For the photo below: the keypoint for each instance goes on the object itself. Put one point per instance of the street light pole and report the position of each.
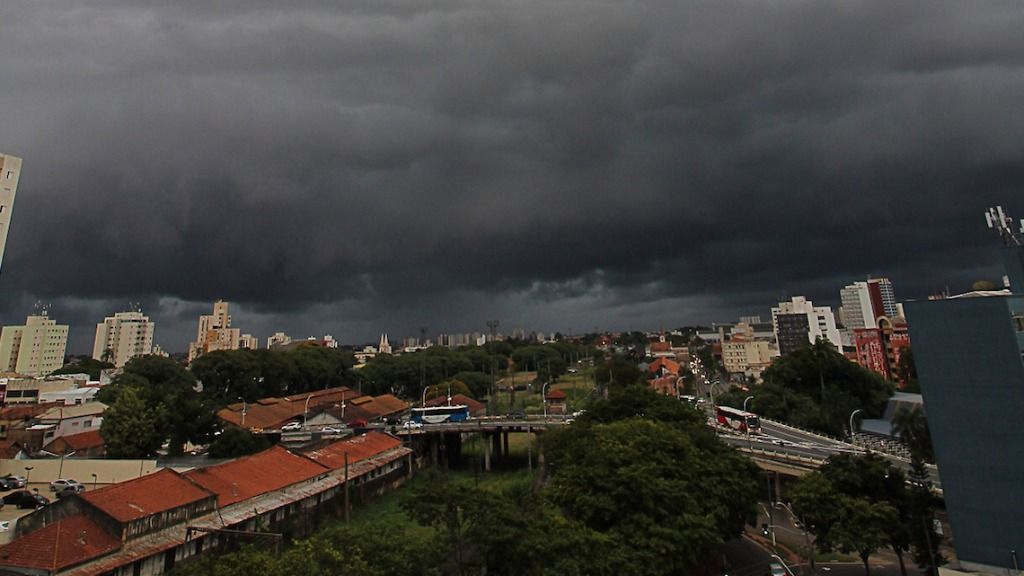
(243, 410)
(852, 414)
(807, 536)
(745, 400)
(544, 399)
(28, 475)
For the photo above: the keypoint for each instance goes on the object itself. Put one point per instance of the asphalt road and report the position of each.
(744, 557)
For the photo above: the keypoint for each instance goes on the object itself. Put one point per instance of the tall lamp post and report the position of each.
(807, 536)
(93, 481)
(544, 398)
(745, 400)
(243, 410)
(28, 475)
(852, 431)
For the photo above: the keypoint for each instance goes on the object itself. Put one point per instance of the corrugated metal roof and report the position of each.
(268, 413)
(151, 494)
(359, 448)
(250, 476)
(64, 543)
(75, 411)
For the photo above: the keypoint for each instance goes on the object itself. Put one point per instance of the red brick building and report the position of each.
(879, 349)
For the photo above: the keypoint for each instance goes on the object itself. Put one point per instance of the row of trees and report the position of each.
(859, 504)
(638, 485)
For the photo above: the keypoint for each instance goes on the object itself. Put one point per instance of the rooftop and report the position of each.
(60, 545)
(266, 471)
(151, 494)
(358, 448)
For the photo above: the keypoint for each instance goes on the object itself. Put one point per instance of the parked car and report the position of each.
(410, 425)
(331, 430)
(291, 427)
(73, 489)
(62, 483)
(11, 482)
(776, 569)
(26, 499)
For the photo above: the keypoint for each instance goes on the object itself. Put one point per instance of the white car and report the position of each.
(291, 427)
(64, 483)
(331, 430)
(410, 425)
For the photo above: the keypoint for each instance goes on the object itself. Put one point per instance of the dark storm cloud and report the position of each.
(365, 166)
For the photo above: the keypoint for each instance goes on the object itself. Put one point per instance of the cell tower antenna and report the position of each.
(997, 220)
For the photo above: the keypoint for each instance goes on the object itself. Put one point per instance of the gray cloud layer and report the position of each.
(379, 165)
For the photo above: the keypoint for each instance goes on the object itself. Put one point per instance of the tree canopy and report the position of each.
(816, 387)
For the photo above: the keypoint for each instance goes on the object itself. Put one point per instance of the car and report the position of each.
(410, 425)
(70, 490)
(11, 482)
(331, 430)
(776, 569)
(62, 483)
(291, 427)
(358, 423)
(26, 499)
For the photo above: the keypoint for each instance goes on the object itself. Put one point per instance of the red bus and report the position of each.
(738, 419)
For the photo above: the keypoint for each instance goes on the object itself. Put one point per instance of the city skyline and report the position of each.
(383, 167)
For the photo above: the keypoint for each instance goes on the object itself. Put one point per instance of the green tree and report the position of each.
(911, 426)
(861, 527)
(85, 366)
(131, 428)
(925, 540)
(663, 498)
(617, 371)
(169, 392)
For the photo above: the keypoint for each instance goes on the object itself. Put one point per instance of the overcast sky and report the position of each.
(380, 165)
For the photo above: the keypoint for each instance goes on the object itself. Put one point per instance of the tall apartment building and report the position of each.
(123, 336)
(865, 302)
(279, 339)
(879, 349)
(799, 323)
(215, 332)
(10, 170)
(35, 349)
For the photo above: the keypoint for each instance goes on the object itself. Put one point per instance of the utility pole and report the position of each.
(492, 325)
(423, 358)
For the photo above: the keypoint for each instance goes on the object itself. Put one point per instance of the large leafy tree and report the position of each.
(168, 393)
(89, 366)
(131, 428)
(856, 504)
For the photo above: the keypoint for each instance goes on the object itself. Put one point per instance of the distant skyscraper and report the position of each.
(123, 336)
(10, 170)
(865, 302)
(215, 332)
(799, 323)
(35, 349)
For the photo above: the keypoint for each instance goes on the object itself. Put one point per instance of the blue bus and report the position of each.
(439, 414)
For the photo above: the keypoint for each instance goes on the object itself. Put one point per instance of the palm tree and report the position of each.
(911, 426)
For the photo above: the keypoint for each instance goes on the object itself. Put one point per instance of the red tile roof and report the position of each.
(359, 448)
(556, 395)
(9, 448)
(25, 411)
(274, 412)
(162, 490)
(670, 366)
(84, 440)
(56, 546)
(251, 476)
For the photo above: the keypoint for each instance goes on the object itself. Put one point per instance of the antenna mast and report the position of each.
(1003, 225)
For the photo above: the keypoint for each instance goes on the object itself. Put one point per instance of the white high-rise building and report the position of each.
(123, 336)
(215, 332)
(865, 302)
(10, 170)
(279, 339)
(799, 322)
(35, 349)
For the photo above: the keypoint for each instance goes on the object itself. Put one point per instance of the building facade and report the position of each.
(123, 336)
(863, 303)
(35, 349)
(879, 349)
(969, 353)
(10, 171)
(799, 323)
(215, 332)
